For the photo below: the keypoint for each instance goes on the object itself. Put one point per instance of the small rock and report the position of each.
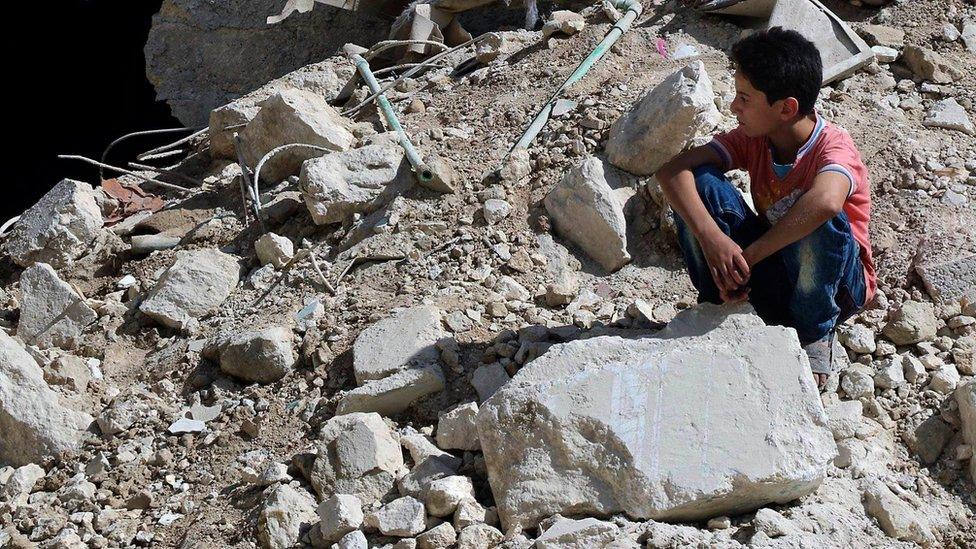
(403, 517)
(395, 343)
(896, 517)
(478, 536)
(285, 512)
(339, 515)
(395, 393)
(858, 338)
(457, 430)
(353, 540)
(949, 114)
(438, 537)
(193, 285)
(858, 381)
(52, 313)
(358, 455)
(577, 534)
(719, 523)
(930, 438)
(443, 495)
(929, 65)
(469, 512)
(186, 425)
(565, 22)
(262, 356)
(274, 249)
(773, 524)
(489, 378)
(885, 54)
(913, 322)
(945, 379)
(496, 210)
(517, 166)
(844, 418)
(891, 375)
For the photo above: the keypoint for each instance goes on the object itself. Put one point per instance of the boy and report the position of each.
(805, 260)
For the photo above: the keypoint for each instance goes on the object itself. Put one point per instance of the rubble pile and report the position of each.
(327, 354)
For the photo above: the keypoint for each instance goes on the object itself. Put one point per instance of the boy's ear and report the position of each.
(789, 108)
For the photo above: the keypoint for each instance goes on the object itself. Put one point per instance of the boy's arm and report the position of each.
(729, 268)
(824, 200)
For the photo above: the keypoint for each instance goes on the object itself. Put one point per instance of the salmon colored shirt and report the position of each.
(829, 149)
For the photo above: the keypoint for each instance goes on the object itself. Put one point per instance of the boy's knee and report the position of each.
(707, 175)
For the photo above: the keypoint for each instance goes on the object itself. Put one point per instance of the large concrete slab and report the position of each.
(716, 415)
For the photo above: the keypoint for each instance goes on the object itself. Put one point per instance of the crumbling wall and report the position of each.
(202, 54)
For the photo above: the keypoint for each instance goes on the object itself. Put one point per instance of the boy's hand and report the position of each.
(729, 268)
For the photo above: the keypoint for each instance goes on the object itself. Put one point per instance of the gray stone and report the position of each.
(457, 429)
(262, 356)
(930, 65)
(948, 267)
(858, 338)
(200, 55)
(394, 393)
(858, 381)
(406, 338)
(358, 455)
(577, 534)
(274, 249)
(496, 210)
(885, 54)
(52, 313)
(33, 422)
(579, 429)
(58, 229)
(338, 185)
(20, 483)
(930, 438)
(968, 35)
(879, 35)
(565, 22)
(401, 517)
(965, 396)
(664, 121)
(195, 284)
(468, 513)
(443, 495)
(499, 45)
(911, 323)
(587, 207)
(286, 511)
(945, 379)
(339, 515)
(421, 447)
(423, 473)
(773, 524)
(323, 79)
(891, 374)
(479, 536)
(912, 367)
(293, 116)
(844, 418)
(438, 537)
(896, 517)
(353, 540)
(488, 378)
(949, 114)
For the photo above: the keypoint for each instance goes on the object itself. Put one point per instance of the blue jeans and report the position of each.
(811, 285)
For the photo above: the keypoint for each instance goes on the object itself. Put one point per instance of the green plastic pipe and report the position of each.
(633, 10)
(420, 169)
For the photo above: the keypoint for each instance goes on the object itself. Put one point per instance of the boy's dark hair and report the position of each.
(781, 63)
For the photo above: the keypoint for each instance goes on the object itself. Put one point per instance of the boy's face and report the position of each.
(754, 113)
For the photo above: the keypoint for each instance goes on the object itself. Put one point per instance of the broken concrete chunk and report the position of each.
(487, 379)
(403, 517)
(880, 35)
(194, 284)
(965, 396)
(439, 537)
(274, 249)
(884, 54)
(393, 344)
(339, 515)
(664, 121)
(443, 495)
(930, 65)
(533, 430)
(577, 534)
(911, 323)
(858, 338)
(394, 393)
(262, 356)
(565, 22)
(20, 483)
(479, 535)
(949, 114)
(52, 313)
(33, 422)
(293, 116)
(338, 185)
(358, 455)
(844, 418)
(58, 229)
(285, 514)
(586, 210)
(457, 429)
(897, 518)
